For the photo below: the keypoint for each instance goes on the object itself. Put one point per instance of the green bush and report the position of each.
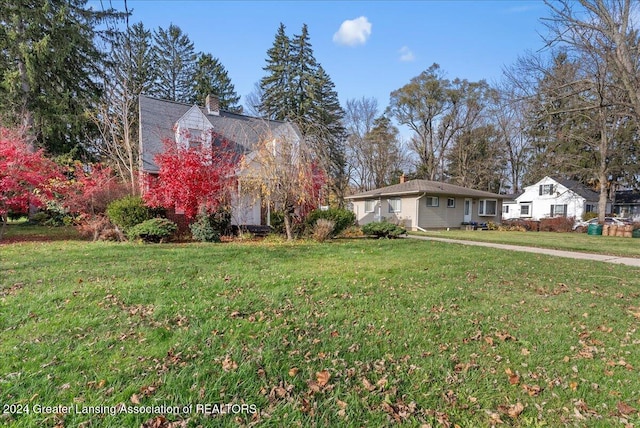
(383, 230)
(277, 222)
(128, 212)
(210, 227)
(153, 230)
(340, 217)
(588, 215)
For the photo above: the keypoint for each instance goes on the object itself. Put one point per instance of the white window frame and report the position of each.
(546, 189)
(451, 202)
(373, 205)
(432, 201)
(482, 205)
(554, 210)
(392, 209)
(529, 206)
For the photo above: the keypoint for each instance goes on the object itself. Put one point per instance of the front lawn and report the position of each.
(571, 241)
(347, 333)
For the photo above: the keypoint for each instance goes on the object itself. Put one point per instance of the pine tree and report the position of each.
(276, 99)
(48, 60)
(211, 77)
(175, 60)
(303, 83)
(326, 130)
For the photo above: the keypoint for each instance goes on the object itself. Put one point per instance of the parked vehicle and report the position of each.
(581, 226)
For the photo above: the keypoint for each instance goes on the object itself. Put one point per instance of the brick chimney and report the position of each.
(212, 103)
(403, 178)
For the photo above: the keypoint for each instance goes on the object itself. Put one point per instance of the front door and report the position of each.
(467, 210)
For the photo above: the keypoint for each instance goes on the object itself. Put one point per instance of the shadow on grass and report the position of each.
(26, 232)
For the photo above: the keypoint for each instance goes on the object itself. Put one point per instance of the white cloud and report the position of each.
(353, 32)
(406, 55)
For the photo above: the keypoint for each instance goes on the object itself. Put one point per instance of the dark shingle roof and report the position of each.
(425, 186)
(579, 189)
(158, 117)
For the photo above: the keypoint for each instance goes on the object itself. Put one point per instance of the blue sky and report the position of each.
(382, 46)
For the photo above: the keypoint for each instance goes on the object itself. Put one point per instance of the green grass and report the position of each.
(611, 245)
(347, 333)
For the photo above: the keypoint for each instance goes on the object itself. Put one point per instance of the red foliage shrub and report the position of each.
(26, 177)
(557, 224)
(193, 180)
(92, 190)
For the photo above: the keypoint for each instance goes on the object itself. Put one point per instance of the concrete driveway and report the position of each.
(629, 261)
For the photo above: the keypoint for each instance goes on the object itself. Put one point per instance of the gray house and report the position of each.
(423, 204)
(195, 126)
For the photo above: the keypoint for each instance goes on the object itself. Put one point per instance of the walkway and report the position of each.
(629, 261)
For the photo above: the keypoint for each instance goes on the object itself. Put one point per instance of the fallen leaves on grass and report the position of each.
(513, 410)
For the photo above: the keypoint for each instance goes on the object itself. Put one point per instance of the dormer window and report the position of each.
(195, 139)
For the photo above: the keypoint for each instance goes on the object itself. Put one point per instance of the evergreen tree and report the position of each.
(175, 61)
(303, 83)
(49, 60)
(386, 156)
(276, 102)
(211, 77)
(298, 89)
(326, 131)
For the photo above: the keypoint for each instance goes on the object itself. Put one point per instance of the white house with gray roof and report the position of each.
(553, 197)
(423, 204)
(195, 126)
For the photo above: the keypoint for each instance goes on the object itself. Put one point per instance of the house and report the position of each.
(510, 206)
(194, 126)
(553, 197)
(627, 204)
(423, 204)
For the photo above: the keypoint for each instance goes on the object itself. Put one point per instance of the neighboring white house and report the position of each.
(552, 197)
(423, 204)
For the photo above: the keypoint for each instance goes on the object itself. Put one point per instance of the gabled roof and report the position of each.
(425, 186)
(578, 188)
(627, 197)
(158, 117)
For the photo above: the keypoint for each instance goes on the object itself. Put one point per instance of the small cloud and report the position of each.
(406, 55)
(353, 32)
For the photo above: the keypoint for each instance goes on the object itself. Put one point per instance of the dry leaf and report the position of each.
(135, 399)
(514, 379)
(323, 377)
(367, 384)
(625, 409)
(573, 385)
(532, 390)
(512, 411)
(293, 371)
(228, 364)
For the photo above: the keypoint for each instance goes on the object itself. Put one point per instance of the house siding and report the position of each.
(439, 217)
(541, 204)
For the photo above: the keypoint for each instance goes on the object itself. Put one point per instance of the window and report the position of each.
(525, 209)
(395, 205)
(591, 208)
(545, 189)
(369, 206)
(505, 209)
(487, 207)
(195, 138)
(433, 201)
(451, 203)
(559, 210)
